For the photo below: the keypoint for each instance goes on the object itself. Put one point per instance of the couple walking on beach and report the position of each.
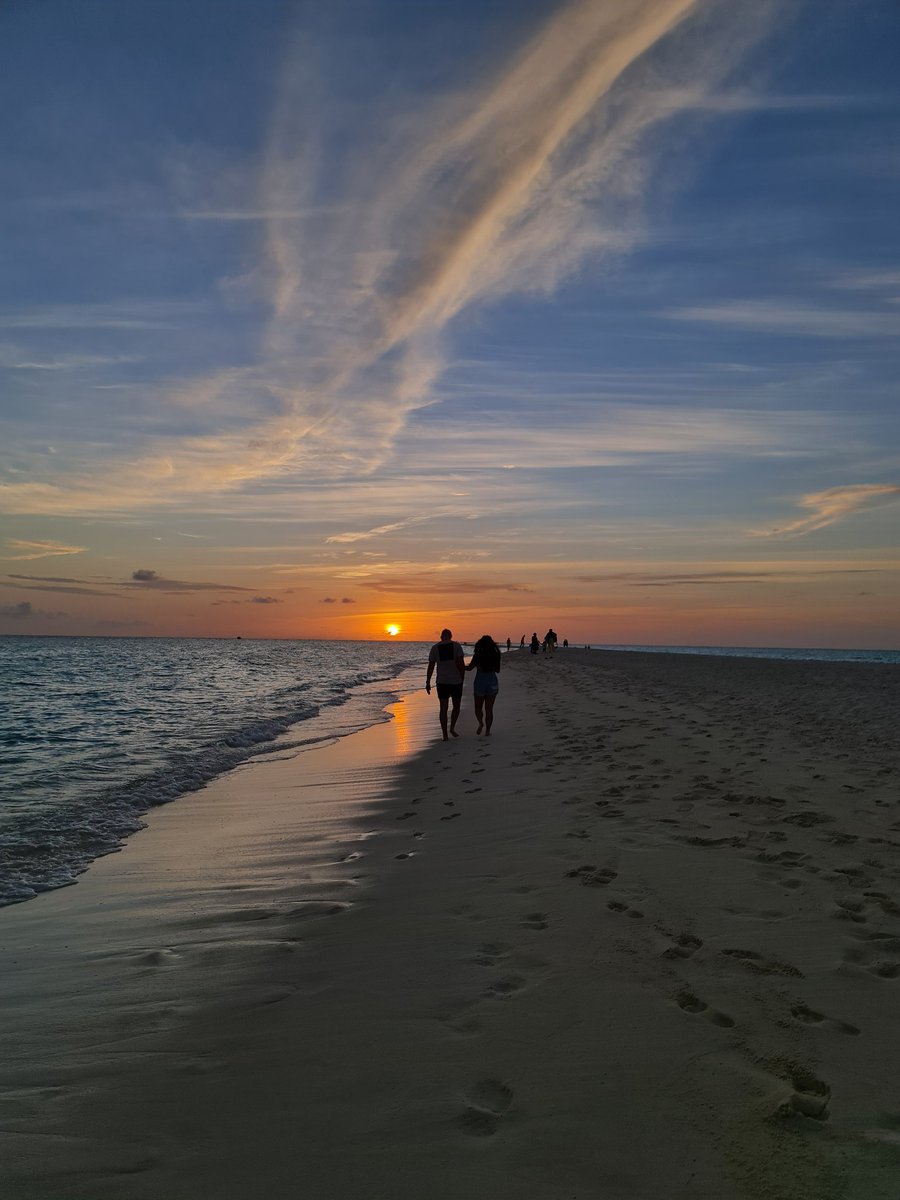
(447, 656)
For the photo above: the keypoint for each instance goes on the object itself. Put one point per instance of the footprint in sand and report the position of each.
(591, 876)
(486, 1105)
(686, 944)
(809, 1016)
(810, 1097)
(689, 1003)
(619, 907)
(505, 987)
(849, 910)
(872, 954)
(158, 958)
(535, 920)
(451, 816)
(886, 903)
(490, 953)
(761, 965)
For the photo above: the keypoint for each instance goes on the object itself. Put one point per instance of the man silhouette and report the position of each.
(448, 657)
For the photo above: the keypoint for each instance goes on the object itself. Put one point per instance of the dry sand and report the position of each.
(644, 942)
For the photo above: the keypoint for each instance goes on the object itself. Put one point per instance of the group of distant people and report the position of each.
(446, 661)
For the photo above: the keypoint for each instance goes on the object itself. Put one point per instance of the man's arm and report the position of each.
(460, 663)
(430, 673)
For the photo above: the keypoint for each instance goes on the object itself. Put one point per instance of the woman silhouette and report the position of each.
(486, 665)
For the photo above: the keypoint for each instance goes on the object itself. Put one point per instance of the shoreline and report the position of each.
(645, 945)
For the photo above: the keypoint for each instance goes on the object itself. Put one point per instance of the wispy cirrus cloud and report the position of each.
(714, 578)
(503, 188)
(435, 585)
(834, 504)
(882, 279)
(73, 588)
(146, 579)
(789, 319)
(143, 579)
(136, 314)
(27, 549)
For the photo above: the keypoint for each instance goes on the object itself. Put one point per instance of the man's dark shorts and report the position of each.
(449, 691)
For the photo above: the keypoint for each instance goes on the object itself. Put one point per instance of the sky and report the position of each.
(503, 314)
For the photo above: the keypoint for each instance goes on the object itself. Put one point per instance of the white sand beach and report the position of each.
(641, 944)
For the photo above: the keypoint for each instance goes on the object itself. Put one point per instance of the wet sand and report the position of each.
(643, 942)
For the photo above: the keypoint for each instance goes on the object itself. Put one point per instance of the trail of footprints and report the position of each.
(721, 809)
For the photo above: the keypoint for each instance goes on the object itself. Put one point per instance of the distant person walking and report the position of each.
(535, 644)
(508, 645)
(486, 665)
(550, 641)
(522, 643)
(450, 661)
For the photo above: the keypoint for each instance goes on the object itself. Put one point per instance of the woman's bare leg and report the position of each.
(479, 706)
(489, 713)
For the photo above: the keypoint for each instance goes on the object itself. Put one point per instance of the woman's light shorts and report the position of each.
(486, 683)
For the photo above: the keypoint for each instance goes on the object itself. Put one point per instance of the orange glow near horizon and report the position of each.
(393, 630)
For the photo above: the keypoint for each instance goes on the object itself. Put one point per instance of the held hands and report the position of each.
(428, 688)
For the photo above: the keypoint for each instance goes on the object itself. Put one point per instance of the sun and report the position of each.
(393, 630)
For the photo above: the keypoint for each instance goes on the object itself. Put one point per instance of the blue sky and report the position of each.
(318, 317)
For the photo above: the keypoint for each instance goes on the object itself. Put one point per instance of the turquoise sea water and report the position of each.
(96, 731)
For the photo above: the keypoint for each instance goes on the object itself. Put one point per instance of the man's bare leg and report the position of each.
(444, 701)
(454, 716)
(479, 712)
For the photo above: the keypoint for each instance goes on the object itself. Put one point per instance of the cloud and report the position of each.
(503, 187)
(379, 530)
(24, 611)
(12, 360)
(347, 600)
(884, 279)
(792, 319)
(56, 587)
(254, 600)
(48, 578)
(714, 578)
(429, 585)
(834, 505)
(34, 549)
(329, 600)
(144, 578)
(19, 611)
(145, 314)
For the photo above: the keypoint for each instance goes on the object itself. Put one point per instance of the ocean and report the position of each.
(97, 731)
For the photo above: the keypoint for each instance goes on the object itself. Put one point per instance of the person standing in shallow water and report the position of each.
(486, 665)
(450, 661)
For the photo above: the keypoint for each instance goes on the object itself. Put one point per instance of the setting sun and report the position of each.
(393, 630)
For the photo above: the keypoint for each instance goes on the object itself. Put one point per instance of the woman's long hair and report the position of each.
(486, 654)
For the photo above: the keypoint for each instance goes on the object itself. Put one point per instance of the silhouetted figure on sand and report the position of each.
(450, 661)
(486, 665)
